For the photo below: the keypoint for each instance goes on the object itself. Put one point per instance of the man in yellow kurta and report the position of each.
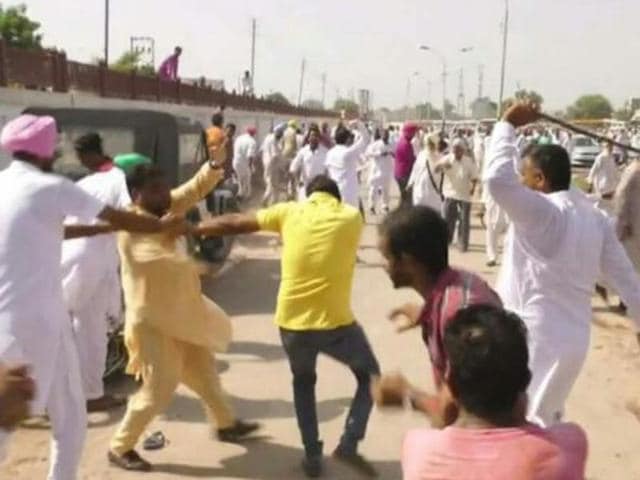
(171, 329)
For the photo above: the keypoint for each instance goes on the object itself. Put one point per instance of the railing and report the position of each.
(51, 71)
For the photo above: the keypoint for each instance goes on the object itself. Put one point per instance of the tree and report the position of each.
(313, 104)
(278, 97)
(483, 107)
(350, 107)
(17, 29)
(131, 61)
(590, 106)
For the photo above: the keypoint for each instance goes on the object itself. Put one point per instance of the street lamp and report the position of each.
(505, 30)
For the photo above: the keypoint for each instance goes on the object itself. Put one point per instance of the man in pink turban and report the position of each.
(35, 328)
(404, 160)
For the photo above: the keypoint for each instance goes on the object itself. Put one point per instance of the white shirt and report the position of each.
(244, 148)
(33, 206)
(309, 163)
(604, 174)
(424, 192)
(380, 155)
(271, 150)
(557, 246)
(458, 177)
(342, 167)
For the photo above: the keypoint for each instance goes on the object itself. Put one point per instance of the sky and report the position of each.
(560, 48)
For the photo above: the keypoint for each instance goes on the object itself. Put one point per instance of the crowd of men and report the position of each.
(504, 361)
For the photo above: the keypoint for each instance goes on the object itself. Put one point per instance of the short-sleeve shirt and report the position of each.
(33, 206)
(453, 291)
(527, 453)
(320, 239)
(458, 179)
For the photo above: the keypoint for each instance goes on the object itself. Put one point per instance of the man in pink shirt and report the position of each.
(485, 385)
(169, 67)
(404, 160)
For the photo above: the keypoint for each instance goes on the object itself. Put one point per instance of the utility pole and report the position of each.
(253, 54)
(106, 33)
(480, 80)
(304, 66)
(505, 31)
(461, 100)
(324, 87)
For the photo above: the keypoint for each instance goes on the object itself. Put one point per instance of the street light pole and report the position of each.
(444, 81)
(505, 31)
(106, 33)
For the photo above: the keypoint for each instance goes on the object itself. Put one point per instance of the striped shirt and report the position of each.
(453, 291)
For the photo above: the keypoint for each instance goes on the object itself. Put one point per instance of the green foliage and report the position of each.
(17, 29)
(130, 61)
(278, 97)
(593, 106)
(350, 107)
(524, 94)
(313, 104)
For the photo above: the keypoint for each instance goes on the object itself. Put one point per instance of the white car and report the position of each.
(583, 151)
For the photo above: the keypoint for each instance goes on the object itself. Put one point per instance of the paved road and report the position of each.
(257, 377)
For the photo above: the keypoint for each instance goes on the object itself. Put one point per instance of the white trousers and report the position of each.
(67, 411)
(496, 222)
(274, 181)
(555, 367)
(243, 173)
(376, 191)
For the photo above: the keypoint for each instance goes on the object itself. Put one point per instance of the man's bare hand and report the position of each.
(390, 390)
(406, 317)
(17, 389)
(522, 113)
(175, 224)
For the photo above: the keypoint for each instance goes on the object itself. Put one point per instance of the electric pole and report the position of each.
(505, 33)
(304, 66)
(253, 54)
(461, 93)
(324, 87)
(106, 33)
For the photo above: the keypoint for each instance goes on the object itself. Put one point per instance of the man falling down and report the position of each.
(170, 328)
(557, 246)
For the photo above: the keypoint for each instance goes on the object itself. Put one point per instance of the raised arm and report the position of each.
(359, 145)
(524, 206)
(188, 194)
(231, 224)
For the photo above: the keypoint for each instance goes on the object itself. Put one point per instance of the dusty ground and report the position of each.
(257, 377)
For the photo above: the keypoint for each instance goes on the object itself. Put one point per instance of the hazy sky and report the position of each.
(562, 48)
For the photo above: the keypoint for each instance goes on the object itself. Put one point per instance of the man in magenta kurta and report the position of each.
(169, 67)
(405, 158)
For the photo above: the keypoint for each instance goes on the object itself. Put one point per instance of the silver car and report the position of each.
(583, 151)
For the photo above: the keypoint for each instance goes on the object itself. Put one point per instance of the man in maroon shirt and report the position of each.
(405, 157)
(414, 242)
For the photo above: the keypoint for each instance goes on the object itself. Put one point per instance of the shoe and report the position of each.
(105, 403)
(237, 432)
(491, 263)
(312, 466)
(355, 461)
(130, 461)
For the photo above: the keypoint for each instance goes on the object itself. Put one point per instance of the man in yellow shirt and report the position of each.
(320, 240)
(171, 329)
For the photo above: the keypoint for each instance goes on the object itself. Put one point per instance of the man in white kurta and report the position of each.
(91, 282)
(424, 182)
(244, 152)
(557, 246)
(495, 219)
(342, 162)
(272, 165)
(627, 211)
(603, 179)
(309, 162)
(380, 156)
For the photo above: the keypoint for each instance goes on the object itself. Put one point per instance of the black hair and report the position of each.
(488, 360)
(89, 143)
(142, 175)
(232, 126)
(420, 232)
(554, 163)
(322, 183)
(217, 119)
(377, 135)
(342, 135)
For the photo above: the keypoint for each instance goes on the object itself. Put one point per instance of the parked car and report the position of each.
(583, 151)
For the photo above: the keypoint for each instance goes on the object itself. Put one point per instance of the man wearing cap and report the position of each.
(244, 153)
(460, 178)
(91, 282)
(35, 328)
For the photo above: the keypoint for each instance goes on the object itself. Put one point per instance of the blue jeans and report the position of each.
(349, 346)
